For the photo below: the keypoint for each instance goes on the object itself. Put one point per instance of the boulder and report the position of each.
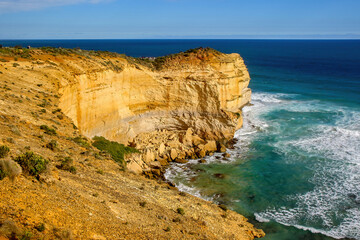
(155, 164)
(156, 172)
(196, 140)
(181, 160)
(201, 153)
(149, 156)
(222, 148)
(134, 167)
(173, 154)
(188, 138)
(163, 162)
(161, 150)
(173, 144)
(210, 146)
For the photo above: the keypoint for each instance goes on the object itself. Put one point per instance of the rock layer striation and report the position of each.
(185, 107)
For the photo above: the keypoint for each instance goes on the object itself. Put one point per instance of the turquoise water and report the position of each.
(295, 170)
(296, 164)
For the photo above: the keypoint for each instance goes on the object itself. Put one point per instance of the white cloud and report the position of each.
(28, 5)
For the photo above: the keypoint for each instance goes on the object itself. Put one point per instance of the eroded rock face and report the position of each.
(180, 111)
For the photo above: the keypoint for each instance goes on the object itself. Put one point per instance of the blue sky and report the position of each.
(118, 19)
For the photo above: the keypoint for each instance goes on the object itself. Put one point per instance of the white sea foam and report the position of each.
(336, 148)
(181, 174)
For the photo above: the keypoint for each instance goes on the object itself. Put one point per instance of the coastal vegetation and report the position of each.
(32, 163)
(115, 149)
(4, 150)
(67, 165)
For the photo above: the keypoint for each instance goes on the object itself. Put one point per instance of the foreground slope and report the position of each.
(75, 93)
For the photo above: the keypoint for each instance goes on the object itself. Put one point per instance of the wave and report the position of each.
(309, 133)
(331, 148)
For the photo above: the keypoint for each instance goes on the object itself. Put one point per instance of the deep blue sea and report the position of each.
(295, 171)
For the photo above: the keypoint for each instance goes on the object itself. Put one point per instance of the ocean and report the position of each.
(295, 170)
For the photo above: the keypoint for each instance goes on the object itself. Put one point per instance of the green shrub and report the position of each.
(48, 130)
(81, 141)
(4, 150)
(66, 165)
(115, 149)
(180, 211)
(52, 145)
(31, 163)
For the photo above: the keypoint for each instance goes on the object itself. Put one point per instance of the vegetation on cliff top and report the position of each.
(152, 63)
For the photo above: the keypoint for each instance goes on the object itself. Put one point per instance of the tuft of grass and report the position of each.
(180, 211)
(48, 130)
(32, 163)
(4, 150)
(115, 149)
(67, 165)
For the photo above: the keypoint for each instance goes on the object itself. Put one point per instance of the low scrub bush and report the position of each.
(115, 149)
(32, 163)
(81, 141)
(48, 130)
(4, 150)
(52, 145)
(67, 165)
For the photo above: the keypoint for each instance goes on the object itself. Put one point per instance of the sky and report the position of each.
(179, 19)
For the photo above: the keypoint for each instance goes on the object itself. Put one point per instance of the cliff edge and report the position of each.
(54, 184)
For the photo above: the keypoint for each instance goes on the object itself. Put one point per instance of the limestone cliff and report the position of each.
(201, 90)
(170, 108)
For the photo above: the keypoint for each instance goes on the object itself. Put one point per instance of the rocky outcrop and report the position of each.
(183, 109)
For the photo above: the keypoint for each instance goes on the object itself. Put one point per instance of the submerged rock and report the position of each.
(220, 175)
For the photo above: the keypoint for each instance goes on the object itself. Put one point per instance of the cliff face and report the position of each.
(201, 92)
(187, 93)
